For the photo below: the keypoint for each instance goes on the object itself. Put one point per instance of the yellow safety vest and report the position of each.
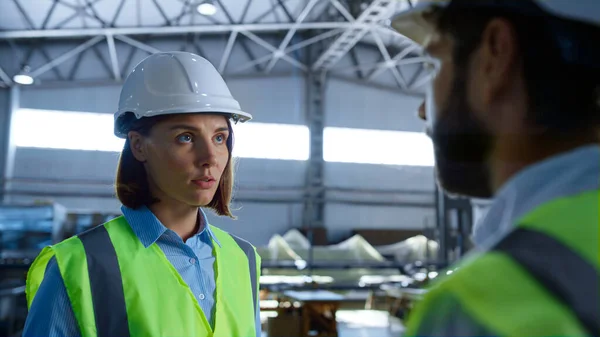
(117, 287)
(541, 280)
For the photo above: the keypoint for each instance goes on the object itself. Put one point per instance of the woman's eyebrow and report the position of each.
(184, 127)
(193, 128)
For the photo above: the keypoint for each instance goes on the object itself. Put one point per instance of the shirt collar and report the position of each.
(565, 174)
(149, 229)
(207, 227)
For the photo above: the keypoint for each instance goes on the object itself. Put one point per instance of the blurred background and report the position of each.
(335, 178)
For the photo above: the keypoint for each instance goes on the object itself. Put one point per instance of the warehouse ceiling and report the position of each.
(99, 41)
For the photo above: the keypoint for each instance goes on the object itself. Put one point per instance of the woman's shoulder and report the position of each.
(221, 234)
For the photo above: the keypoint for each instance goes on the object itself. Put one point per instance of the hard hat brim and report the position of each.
(236, 115)
(416, 23)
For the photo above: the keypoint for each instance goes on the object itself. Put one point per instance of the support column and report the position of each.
(9, 103)
(454, 217)
(314, 208)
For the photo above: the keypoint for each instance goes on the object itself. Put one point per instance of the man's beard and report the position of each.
(462, 146)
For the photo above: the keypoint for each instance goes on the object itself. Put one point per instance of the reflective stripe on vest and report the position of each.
(565, 274)
(251, 255)
(105, 282)
(153, 299)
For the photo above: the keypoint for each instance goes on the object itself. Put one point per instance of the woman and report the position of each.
(160, 269)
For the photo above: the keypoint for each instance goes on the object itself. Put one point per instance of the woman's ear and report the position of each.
(136, 145)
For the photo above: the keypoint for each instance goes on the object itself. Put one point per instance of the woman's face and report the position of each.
(184, 157)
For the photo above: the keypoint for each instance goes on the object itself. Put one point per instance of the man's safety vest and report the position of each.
(117, 287)
(541, 280)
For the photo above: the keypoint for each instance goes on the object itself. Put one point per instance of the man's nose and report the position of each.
(421, 111)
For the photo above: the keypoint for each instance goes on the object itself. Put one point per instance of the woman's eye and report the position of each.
(220, 139)
(184, 138)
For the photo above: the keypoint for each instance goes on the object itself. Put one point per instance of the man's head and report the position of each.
(507, 72)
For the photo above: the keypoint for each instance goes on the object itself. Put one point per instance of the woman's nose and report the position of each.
(207, 155)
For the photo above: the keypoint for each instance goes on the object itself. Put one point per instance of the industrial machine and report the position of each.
(24, 231)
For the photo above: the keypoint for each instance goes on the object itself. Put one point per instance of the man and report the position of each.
(514, 114)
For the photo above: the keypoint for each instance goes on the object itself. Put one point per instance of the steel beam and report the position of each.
(396, 59)
(273, 9)
(313, 215)
(314, 208)
(454, 223)
(49, 14)
(91, 83)
(424, 80)
(117, 13)
(391, 64)
(342, 10)
(64, 57)
(269, 47)
(9, 103)
(80, 11)
(290, 34)
(114, 61)
(312, 40)
(377, 11)
(24, 14)
(415, 76)
(138, 44)
(388, 88)
(4, 77)
(227, 51)
(250, 64)
(290, 49)
(47, 57)
(176, 30)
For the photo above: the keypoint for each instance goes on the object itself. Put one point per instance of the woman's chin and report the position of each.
(201, 200)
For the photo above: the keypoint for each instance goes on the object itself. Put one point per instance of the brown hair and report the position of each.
(131, 181)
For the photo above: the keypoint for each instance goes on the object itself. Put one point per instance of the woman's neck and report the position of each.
(182, 219)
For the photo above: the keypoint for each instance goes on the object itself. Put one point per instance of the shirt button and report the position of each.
(201, 296)
(193, 261)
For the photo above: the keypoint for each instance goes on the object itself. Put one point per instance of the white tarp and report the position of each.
(417, 248)
(293, 246)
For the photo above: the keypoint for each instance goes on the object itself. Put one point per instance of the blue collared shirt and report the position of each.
(559, 176)
(51, 313)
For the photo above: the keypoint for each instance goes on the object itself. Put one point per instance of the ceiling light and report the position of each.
(207, 8)
(23, 78)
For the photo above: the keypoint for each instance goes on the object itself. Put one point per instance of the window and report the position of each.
(271, 141)
(65, 130)
(377, 147)
(93, 132)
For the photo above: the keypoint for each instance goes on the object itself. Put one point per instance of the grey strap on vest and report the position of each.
(249, 250)
(106, 283)
(565, 274)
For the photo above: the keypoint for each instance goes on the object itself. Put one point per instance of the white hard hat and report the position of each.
(175, 83)
(415, 25)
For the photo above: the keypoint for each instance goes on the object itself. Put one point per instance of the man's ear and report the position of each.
(136, 145)
(498, 57)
